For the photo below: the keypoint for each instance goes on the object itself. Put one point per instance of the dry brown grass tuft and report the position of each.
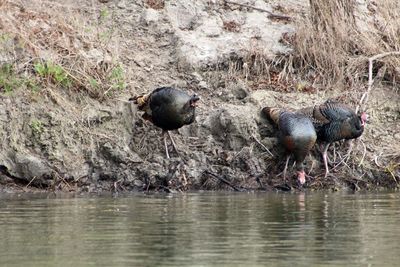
(333, 42)
(254, 65)
(261, 72)
(62, 46)
(231, 26)
(332, 46)
(155, 4)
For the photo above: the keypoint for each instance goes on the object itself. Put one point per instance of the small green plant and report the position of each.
(32, 85)
(117, 78)
(103, 14)
(93, 83)
(53, 71)
(36, 126)
(4, 37)
(391, 169)
(104, 36)
(9, 80)
(40, 69)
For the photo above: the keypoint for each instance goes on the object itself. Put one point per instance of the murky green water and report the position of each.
(202, 230)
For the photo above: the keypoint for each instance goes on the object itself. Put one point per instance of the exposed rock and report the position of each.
(150, 16)
(26, 166)
(202, 40)
(234, 126)
(119, 155)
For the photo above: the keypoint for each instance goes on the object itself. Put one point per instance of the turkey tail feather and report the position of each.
(272, 114)
(141, 101)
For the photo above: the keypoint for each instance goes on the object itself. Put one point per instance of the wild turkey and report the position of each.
(296, 134)
(167, 108)
(335, 121)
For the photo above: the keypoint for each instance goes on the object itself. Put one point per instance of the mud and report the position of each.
(71, 141)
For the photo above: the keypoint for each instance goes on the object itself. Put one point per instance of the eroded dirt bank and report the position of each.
(72, 129)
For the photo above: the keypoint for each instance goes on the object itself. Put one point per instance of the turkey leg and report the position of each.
(172, 142)
(285, 169)
(165, 144)
(325, 157)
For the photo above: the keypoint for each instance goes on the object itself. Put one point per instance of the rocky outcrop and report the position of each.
(209, 33)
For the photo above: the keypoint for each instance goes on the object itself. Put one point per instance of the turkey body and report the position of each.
(333, 122)
(168, 108)
(296, 134)
(171, 108)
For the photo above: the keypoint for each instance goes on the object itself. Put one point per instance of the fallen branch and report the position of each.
(365, 96)
(34, 177)
(63, 180)
(262, 145)
(364, 153)
(376, 158)
(223, 180)
(270, 14)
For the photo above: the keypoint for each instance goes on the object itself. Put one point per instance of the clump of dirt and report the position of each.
(66, 124)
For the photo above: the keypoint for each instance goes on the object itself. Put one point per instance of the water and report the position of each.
(202, 229)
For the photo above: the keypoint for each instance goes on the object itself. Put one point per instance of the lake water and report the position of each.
(202, 229)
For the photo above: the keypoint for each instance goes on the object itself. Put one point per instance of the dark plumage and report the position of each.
(335, 121)
(167, 108)
(296, 134)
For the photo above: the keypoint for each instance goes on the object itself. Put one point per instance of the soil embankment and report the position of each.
(69, 67)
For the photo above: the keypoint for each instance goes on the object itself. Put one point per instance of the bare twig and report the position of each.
(364, 153)
(365, 96)
(63, 180)
(270, 14)
(223, 180)
(122, 100)
(34, 177)
(376, 158)
(342, 160)
(116, 184)
(262, 145)
(311, 168)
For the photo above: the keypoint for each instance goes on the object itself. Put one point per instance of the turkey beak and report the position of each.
(194, 100)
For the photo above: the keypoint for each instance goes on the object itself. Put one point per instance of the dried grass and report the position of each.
(231, 26)
(78, 41)
(155, 4)
(331, 46)
(333, 42)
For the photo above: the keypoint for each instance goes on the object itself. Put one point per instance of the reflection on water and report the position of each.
(202, 230)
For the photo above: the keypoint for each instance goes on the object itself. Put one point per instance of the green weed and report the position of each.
(9, 80)
(93, 83)
(4, 37)
(36, 126)
(117, 78)
(32, 85)
(103, 14)
(53, 71)
(104, 36)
